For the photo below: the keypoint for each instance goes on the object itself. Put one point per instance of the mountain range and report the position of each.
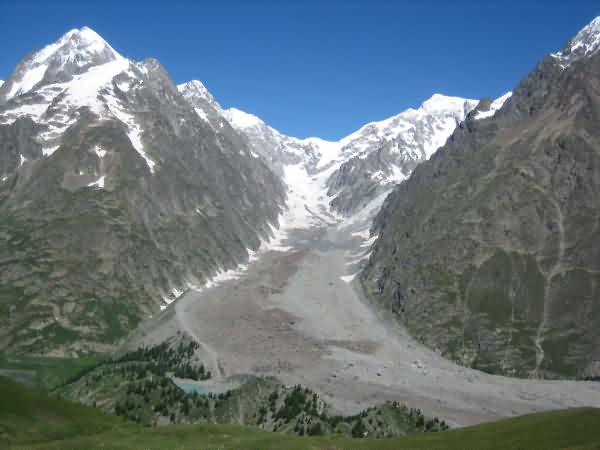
(120, 191)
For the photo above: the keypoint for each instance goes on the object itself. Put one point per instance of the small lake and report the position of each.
(188, 388)
(208, 387)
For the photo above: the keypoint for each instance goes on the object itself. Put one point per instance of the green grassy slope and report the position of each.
(28, 416)
(33, 420)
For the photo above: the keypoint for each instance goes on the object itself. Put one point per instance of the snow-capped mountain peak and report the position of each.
(588, 39)
(241, 119)
(79, 72)
(419, 131)
(585, 43)
(87, 41)
(439, 103)
(1, 83)
(195, 91)
(196, 87)
(74, 53)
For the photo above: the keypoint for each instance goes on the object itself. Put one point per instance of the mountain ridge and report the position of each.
(488, 251)
(584, 44)
(115, 197)
(384, 152)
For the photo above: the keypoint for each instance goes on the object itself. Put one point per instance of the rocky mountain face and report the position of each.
(115, 196)
(204, 104)
(490, 251)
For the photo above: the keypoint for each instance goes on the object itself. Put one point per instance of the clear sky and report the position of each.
(315, 68)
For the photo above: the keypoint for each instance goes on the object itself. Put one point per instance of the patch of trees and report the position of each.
(165, 359)
(162, 359)
(187, 371)
(316, 429)
(358, 430)
(415, 418)
(296, 402)
(591, 378)
(147, 400)
(144, 393)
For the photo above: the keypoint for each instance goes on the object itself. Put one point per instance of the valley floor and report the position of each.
(299, 316)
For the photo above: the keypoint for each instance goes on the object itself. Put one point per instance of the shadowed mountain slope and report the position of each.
(490, 252)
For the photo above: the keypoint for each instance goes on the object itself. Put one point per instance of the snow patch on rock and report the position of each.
(99, 183)
(495, 106)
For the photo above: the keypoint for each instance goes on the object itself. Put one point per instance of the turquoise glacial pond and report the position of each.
(193, 387)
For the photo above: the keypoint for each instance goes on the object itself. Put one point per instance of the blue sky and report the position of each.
(315, 68)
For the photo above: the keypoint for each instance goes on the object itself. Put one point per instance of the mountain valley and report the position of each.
(428, 259)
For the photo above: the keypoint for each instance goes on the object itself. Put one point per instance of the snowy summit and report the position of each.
(585, 44)
(76, 71)
(72, 54)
